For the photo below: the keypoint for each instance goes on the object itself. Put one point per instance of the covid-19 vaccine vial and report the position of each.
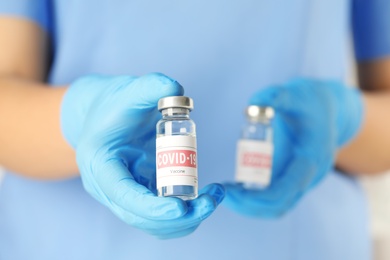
(255, 149)
(176, 160)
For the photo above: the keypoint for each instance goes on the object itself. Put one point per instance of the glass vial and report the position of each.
(255, 149)
(176, 160)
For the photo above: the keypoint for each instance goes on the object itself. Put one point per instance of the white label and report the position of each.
(176, 161)
(254, 162)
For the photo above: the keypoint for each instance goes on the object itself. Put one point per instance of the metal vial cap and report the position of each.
(175, 101)
(257, 113)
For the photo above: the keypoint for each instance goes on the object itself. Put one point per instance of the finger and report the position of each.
(149, 88)
(282, 146)
(197, 211)
(178, 234)
(279, 197)
(288, 98)
(216, 191)
(298, 175)
(120, 187)
(246, 203)
(291, 104)
(274, 96)
(238, 200)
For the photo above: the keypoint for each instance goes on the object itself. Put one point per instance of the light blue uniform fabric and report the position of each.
(221, 52)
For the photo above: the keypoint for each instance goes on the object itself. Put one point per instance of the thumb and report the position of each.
(274, 96)
(149, 88)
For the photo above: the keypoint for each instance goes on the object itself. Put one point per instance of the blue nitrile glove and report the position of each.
(313, 119)
(111, 122)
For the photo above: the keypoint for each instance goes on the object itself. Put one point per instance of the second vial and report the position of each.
(255, 149)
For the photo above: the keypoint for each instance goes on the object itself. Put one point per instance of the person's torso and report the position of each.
(221, 52)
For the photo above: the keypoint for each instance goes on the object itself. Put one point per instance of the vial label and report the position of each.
(254, 162)
(176, 161)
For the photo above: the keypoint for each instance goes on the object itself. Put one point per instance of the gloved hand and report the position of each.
(313, 119)
(111, 122)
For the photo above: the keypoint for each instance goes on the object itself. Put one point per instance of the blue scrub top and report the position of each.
(221, 52)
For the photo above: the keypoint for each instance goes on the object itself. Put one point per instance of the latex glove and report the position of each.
(313, 119)
(111, 121)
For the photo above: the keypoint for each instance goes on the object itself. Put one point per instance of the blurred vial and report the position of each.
(255, 149)
(176, 160)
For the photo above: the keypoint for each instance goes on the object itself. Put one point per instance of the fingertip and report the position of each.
(233, 187)
(216, 191)
(164, 79)
(172, 208)
(167, 85)
(233, 193)
(208, 200)
(266, 97)
(298, 81)
(229, 185)
(154, 86)
(177, 234)
(204, 205)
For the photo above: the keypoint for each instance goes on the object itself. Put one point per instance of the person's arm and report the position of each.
(31, 142)
(109, 120)
(369, 151)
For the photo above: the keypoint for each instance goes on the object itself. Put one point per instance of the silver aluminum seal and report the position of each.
(175, 101)
(258, 113)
